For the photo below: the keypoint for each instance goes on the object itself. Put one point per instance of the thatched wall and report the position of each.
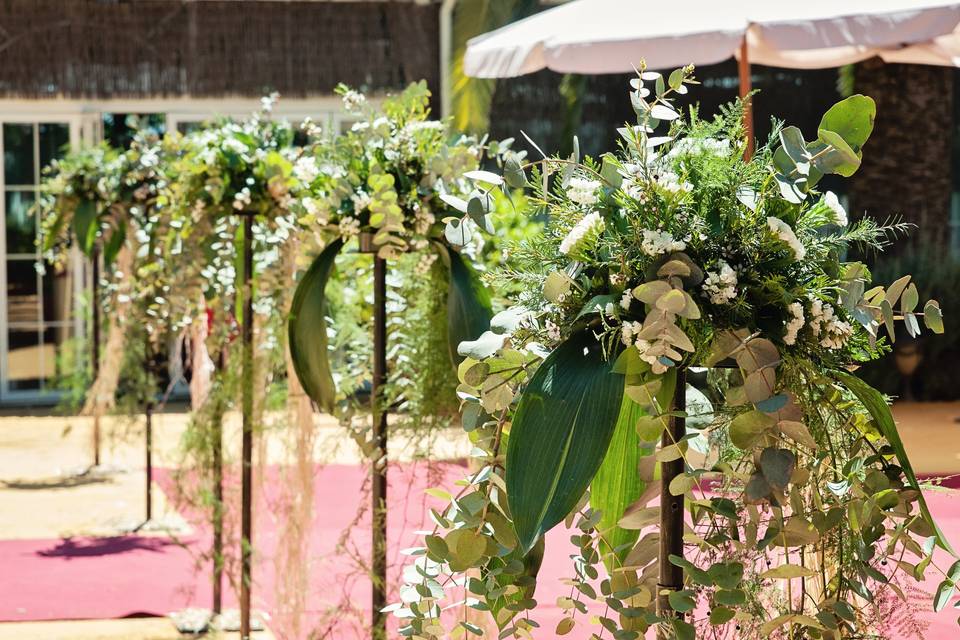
(213, 48)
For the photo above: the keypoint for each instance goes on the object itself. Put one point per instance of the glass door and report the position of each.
(38, 316)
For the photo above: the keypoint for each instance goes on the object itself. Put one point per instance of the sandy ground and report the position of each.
(47, 490)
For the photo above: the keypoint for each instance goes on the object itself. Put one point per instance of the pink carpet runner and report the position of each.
(88, 578)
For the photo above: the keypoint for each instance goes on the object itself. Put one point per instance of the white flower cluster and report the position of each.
(424, 264)
(825, 325)
(360, 201)
(656, 242)
(583, 191)
(786, 235)
(349, 226)
(583, 235)
(242, 199)
(670, 181)
(306, 170)
(795, 323)
(626, 299)
(839, 213)
(316, 209)
(628, 335)
(237, 146)
(353, 101)
(721, 286)
(423, 220)
(553, 330)
(694, 146)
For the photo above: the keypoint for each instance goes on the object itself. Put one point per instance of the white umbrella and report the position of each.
(613, 36)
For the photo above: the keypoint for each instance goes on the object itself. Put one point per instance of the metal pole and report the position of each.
(671, 508)
(149, 438)
(217, 437)
(379, 466)
(246, 521)
(746, 86)
(95, 347)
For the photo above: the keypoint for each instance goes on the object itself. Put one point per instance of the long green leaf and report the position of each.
(468, 305)
(879, 410)
(617, 484)
(307, 329)
(564, 422)
(84, 226)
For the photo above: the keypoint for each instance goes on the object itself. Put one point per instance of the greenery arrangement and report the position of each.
(386, 181)
(673, 254)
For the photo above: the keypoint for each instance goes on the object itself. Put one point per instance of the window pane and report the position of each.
(24, 360)
(18, 154)
(53, 138)
(119, 128)
(58, 355)
(57, 298)
(189, 127)
(23, 301)
(21, 225)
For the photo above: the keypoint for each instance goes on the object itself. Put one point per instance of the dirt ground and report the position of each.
(46, 490)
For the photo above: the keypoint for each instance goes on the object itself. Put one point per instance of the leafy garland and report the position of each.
(671, 254)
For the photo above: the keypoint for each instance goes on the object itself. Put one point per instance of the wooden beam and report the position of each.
(746, 86)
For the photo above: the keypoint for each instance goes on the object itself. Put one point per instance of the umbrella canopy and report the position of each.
(611, 36)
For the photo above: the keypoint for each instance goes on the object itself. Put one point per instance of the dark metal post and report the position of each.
(149, 438)
(379, 466)
(217, 437)
(95, 345)
(246, 520)
(671, 507)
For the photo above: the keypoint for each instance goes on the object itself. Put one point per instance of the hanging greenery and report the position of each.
(670, 254)
(387, 181)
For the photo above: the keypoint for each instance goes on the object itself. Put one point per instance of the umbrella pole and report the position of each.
(671, 509)
(95, 347)
(746, 86)
(246, 519)
(379, 465)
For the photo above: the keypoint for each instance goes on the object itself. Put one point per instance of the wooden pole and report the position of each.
(95, 346)
(379, 466)
(246, 498)
(746, 86)
(671, 509)
(217, 437)
(148, 411)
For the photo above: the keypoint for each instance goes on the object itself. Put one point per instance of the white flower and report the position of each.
(721, 285)
(241, 199)
(840, 214)
(353, 101)
(695, 146)
(267, 102)
(670, 181)
(626, 299)
(306, 170)
(553, 331)
(610, 310)
(349, 226)
(424, 264)
(423, 220)
(232, 144)
(786, 235)
(583, 236)
(657, 242)
(795, 323)
(583, 191)
(360, 201)
(824, 324)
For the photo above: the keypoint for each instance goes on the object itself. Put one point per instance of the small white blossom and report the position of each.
(360, 201)
(553, 331)
(306, 170)
(610, 310)
(795, 323)
(670, 181)
(267, 102)
(349, 226)
(353, 101)
(232, 144)
(786, 235)
(825, 325)
(657, 242)
(626, 299)
(721, 285)
(242, 199)
(582, 237)
(424, 264)
(697, 146)
(840, 214)
(583, 191)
